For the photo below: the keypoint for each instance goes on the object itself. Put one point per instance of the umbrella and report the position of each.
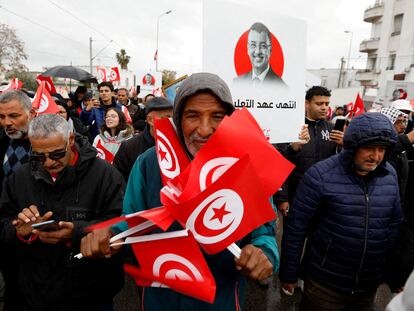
(70, 72)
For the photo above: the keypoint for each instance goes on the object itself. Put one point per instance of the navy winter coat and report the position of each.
(351, 221)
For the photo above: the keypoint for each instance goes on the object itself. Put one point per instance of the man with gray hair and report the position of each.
(61, 166)
(15, 115)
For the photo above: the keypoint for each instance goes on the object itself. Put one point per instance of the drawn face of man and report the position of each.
(259, 49)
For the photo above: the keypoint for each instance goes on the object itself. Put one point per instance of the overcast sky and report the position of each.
(132, 25)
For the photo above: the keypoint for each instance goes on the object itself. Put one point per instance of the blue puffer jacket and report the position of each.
(351, 221)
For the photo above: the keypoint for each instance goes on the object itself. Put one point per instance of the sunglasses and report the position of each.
(53, 155)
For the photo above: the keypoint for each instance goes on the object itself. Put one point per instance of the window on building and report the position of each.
(324, 81)
(398, 20)
(372, 62)
(391, 62)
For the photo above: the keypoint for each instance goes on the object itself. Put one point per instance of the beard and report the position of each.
(17, 133)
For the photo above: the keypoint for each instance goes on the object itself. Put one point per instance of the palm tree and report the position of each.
(123, 59)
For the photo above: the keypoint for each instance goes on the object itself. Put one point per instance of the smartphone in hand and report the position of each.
(49, 225)
(339, 125)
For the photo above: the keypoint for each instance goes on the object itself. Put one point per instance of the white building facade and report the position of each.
(390, 50)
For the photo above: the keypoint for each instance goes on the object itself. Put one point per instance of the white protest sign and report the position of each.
(261, 56)
(149, 81)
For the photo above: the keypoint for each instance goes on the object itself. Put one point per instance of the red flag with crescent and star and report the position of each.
(50, 87)
(114, 75)
(171, 156)
(174, 260)
(101, 72)
(227, 210)
(43, 103)
(225, 147)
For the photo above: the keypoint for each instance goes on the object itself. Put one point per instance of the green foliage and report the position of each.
(11, 50)
(123, 59)
(28, 79)
(168, 76)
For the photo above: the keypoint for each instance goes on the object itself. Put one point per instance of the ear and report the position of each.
(150, 119)
(71, 139)
(32, 114)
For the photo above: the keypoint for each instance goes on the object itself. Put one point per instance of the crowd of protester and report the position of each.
(345, 213)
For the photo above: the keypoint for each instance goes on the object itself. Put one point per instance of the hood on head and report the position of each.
(197, 83)
(371, 128)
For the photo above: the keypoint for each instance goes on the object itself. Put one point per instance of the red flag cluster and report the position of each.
(219, 197)
(14, 84)
(112, 76)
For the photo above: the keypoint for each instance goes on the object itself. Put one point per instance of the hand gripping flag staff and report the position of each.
(138, 223)
(43, 103)
(227, 210)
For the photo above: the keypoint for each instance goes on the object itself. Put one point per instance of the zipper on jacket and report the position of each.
(366, 235)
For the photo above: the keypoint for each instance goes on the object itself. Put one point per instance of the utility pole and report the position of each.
(90, 55)
(340, 71)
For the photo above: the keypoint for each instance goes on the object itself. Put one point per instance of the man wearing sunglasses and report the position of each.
(52, 187)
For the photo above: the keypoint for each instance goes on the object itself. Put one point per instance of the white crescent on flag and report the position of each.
(216, 217)
(213, 169)
(44, 103)
(175, 267)
(101, 74)
(167, 158)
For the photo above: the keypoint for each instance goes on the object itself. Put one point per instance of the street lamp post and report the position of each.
(158, 27)
(348, 75)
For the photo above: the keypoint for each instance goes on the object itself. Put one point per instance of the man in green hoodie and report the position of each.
(201, 103)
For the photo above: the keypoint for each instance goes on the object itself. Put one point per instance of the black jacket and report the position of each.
(318, 148)
(48, 275)
(130, 150)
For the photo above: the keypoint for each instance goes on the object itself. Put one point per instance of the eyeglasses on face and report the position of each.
(53, 155)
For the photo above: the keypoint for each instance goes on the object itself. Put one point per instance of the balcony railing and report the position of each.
(368, 45)
(374, 12)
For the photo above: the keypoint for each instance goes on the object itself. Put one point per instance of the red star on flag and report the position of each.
(219, 213)
(163, 154)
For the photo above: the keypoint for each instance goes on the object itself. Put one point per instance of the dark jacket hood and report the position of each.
(370, 128)
(200, 83)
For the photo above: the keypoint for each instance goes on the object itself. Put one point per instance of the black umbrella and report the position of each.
(71, 73)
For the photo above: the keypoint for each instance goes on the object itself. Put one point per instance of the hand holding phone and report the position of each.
(49, 225)
(339, 125)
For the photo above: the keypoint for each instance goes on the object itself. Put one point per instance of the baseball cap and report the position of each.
(157, 103)
(402, 104)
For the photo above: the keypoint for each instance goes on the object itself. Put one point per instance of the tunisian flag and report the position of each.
(237, 135)
(227, 210)
(43, 103)
(171, 156)
(50, 87)
(114, 75)
(14, 84)
(174, 260)
(101, 71)
(358, 107)
(104, 153)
